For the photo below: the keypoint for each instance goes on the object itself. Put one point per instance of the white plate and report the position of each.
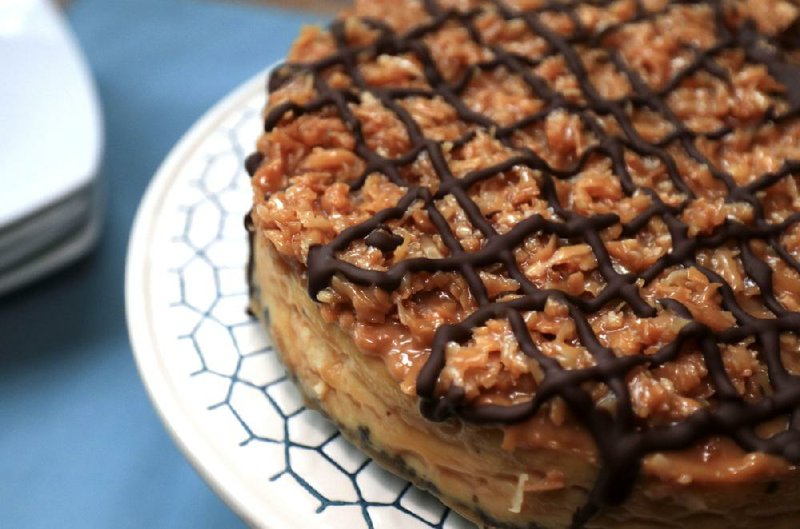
(52, 133)
(210, 370)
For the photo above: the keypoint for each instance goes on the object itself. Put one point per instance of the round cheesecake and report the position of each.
(543, 258)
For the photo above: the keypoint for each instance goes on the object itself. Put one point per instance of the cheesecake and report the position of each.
(542, 258)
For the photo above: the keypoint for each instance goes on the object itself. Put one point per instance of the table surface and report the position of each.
(81, 445)
(317, 6)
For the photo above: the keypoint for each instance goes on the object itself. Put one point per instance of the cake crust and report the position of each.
(568, 226)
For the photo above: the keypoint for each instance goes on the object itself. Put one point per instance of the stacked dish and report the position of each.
(50, 141)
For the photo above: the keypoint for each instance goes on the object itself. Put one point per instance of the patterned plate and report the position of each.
(209, 368)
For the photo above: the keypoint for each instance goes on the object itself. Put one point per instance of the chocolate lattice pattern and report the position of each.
(622, 439)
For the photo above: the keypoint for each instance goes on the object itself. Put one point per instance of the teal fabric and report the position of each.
(80, 444)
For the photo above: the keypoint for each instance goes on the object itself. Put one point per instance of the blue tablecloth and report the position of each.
(80, 444)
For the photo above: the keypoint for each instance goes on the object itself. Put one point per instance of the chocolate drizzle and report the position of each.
(621, 440)
(383, 240)
(252, 162)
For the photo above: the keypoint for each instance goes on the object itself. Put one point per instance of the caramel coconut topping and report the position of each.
(583, 211)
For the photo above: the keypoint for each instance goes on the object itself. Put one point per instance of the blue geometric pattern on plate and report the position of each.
(341, 486)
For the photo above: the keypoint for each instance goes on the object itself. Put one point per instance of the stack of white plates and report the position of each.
(50, 145)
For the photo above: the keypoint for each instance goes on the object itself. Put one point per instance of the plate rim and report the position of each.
(141, 333)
